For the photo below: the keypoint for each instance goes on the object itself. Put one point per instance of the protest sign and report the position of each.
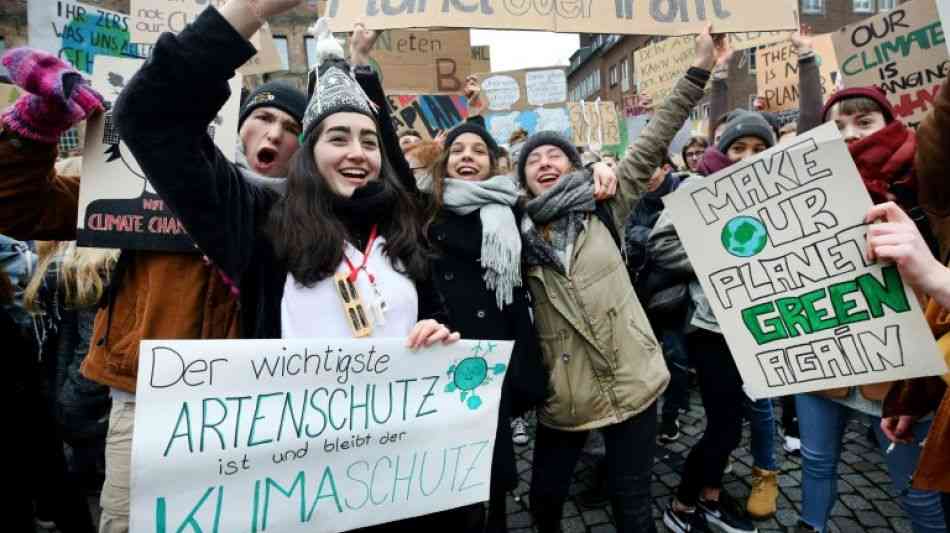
(659, 66)
(427, 113)
(150, 18)
(903, 51)
(594, 123)
(8, 95)
(319, 435)
(778, 243)
(777, 72)
(117, 206)
(423, 62)
(755, 39)
(943, 8)
(534, 100)
(78, 33)
(481, 59)
(630, 17)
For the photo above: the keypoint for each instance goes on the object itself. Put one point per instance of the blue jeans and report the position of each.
(762, 430)
(822, 423)
(676, 396)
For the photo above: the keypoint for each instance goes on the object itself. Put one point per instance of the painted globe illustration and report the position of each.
(744, 236)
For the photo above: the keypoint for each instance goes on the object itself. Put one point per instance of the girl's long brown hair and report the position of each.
(308, 236)
(83, 275)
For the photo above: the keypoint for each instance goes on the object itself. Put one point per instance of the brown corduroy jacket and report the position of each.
(160, 295)
(923, 396)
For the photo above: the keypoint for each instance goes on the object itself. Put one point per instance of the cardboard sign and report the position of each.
(481, 59)
(777, 73)
(903, 51)
(117, 206)
(659, 66)
(8, 95)
(778, 244)
(755, 39)
(533, 100)
(631, 17)
(427, 113)
(594, 123)
(78, 33)
(151, 18)
(423, 62)
(316, 436)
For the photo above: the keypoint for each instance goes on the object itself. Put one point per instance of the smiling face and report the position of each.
(469, 158)
(544, 167)
(744, 148)
(347, 152)
(269, 137)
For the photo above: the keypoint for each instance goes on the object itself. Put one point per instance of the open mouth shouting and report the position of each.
(467, 171)
(265, 159)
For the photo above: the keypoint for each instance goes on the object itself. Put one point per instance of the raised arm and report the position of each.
(811, 100)
(163, 116)
(35, 201)
(719, 96)
(652, 145)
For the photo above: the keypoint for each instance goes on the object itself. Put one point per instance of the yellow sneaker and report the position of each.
(761, 504)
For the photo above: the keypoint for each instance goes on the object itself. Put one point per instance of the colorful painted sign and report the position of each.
(533, 100)
(316, 436)
(79, 32)
(427, 113)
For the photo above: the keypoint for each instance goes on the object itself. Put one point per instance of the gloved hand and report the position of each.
(56, 97)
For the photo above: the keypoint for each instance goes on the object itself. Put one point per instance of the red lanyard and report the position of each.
(355, 272)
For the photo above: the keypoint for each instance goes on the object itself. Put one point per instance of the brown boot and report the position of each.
(761, 504)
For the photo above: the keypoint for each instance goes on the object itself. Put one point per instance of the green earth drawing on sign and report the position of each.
(744, 236)
(472, 372)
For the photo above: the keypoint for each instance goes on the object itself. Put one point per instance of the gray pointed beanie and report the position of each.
(332, 88)
(744, 123)
(544, 138)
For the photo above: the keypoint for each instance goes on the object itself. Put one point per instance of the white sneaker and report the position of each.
(519, 434)
(792, 445)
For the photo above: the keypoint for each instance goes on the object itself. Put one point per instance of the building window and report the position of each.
(310, 43)
(863, 6)
(813, 7)
(750, 60)
(596, 81)
(886, 5)
(625, 75)
(281, 42)
(614, 76)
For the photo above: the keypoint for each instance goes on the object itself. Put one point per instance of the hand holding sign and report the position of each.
(706, 47)
(801, 40)
(428, 332)
(897, 239)
(247, 16)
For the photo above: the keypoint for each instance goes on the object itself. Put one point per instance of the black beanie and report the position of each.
(275, 94)
(745, 124)
(545, 138)
(471, 127)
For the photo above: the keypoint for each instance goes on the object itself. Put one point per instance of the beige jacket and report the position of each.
(603, 361)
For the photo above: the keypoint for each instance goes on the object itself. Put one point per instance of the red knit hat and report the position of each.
(873, 92)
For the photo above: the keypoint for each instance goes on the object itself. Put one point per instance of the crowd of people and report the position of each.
(569, 254)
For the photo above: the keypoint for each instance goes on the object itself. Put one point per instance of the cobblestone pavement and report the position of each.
(865, 503)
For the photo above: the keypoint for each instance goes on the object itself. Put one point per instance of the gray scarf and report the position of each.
(278, 185)
(564, 207)
(501, 244)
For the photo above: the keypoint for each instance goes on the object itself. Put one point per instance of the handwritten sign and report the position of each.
(659, 66)
(78, 33)
(656, 17)
(777, 73)
(427, 113)
(594, 123)
(314, 436)
(151, 18)
(533, 100)
(423, 62)
(902, 51)
(117, 206)
(778, 244)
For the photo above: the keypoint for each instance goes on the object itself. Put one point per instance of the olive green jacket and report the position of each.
(604, 363)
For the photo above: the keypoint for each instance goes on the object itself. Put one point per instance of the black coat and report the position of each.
(472, 311)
